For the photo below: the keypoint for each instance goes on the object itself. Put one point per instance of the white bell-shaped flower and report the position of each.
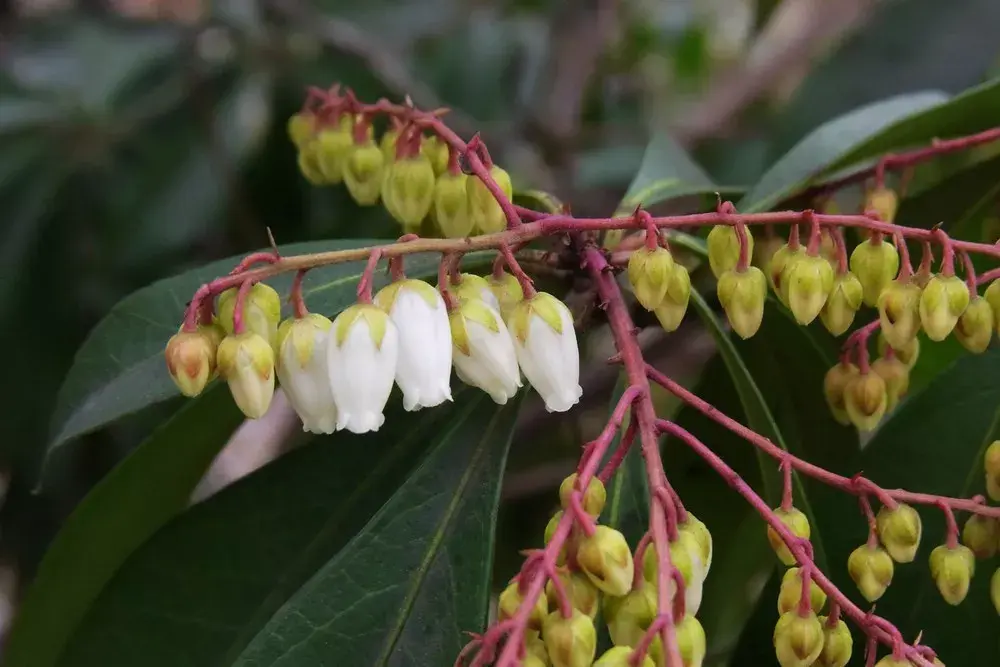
(423, 371)
(303, 371)
(471, 286)
(483, 350)
(362, 352)
(546, 348)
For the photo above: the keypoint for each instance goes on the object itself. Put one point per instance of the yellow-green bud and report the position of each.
(451, 205)
(487, 216)
(782, 259)
(387, 144)
(908, 354)
(436, 152)
(995, 590)
(875, 264)
(866, 399)
(991, 464)
(606, 559)
(552, 525)
(765, 250)
(975, 327)
(842, 304)
(992, 296)
(685, 557)
(650, 272)
(261, 311)
(300, 127)
(899, 312)
(363, 173)
(900, 530)
(510, 601)
(742, 295)
(507, 291)
(593, 498)
(724, 248)
(569, 546)
(333, 145)
(308, 161)
(889, 661)
(691, 643)
(942, 302)
(798, 640)
(570, 642)
(808, 282)
(408, 190)
(896, 376)
(629, 617)
(871, 568)
(952, 569)
(534, 660)
(791, 592)
(835, 390)
(699, 531)
(837, 644)
(619, 656)
(191, 358)
(884, 202)
(797, 523)
(535, 654)
(582, 594)
(671, 310)
(246, 362)
(982, 535)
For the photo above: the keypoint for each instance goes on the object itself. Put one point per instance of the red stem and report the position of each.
(947, 253)
(527, 286)
(815, 233)
(906, 268)
(838, 238)
(368, 277)
(970, 275)
(239, 326)
(298, 302)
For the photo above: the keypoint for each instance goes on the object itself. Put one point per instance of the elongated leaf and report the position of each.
(120, 513)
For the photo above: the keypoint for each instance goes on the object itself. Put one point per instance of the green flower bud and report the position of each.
(995, 589)
(387, 144)
(884, 202)
(875, 264)
(782, 259)
(699, 531)
(724, 248)
(798, 523)
(333, 145)
(896, 376)
(691, 643)
(246, 362)
(808, 282)
(764, 251)
(908, 354)
(308, 161)
(619, 656)
(975, 327)
(570, 642)
(835, 390)
(583, 595)
(510, 601)
(363, 173)
(408, 190)
(685, 557)
(982, 535)
(672, 309)
(487, 216)
(842, 304)
(798, 640)
(300, 128)
(629, 617)
(791, 592)
(889, 661)
(191, 358)
(606, 559)
(871, 569)
(952, 569)
(742, 294)
(899, 312)
(991, 461)
(552, 525)
(837, 644)
(507, 291)
(534, 649)
(992, 296)
(261, 311)
(451, 205)
(436, 152)
(900, 530)
(593, 498)
(866, 399)
(942, 302)
(650, 272)
(534, 660)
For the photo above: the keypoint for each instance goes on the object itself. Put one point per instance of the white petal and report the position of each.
(423, 371)
(492, 363)
(551, 362)
(308, 386)
(361, 376)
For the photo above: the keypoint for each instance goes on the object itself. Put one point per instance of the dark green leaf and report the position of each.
(120, 513)
(627, 507)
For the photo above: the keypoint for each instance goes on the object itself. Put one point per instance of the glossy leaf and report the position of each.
(140, 495)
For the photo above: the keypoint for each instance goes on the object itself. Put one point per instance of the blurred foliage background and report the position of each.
(141, 138)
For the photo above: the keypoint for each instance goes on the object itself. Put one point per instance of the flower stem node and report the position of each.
(362, 355)
(899, 312)
(942, 302)
(835, 384)
(685, 556)
(724, 248)
(593, 498)
(507, 291)
(798, 640)
(699, 531)
(629, 617)
(423, 371)
(483, 351)
(842, 304)
(908, 353)
(791, 592)
(672, 309)
(333, 145)
(408, 190)
(571, 642)
(304, 373)
(510, 602)
(363, 173)
(884, 202)
(866, 399)
(742, 295)
(896, 376)
(991, 465)
(900, 529)
(875, 262)
(606, 559)
(650, 272)
(191, 357)
(620, 656)
(995, 589)
(246, 361)
(261, 311)
(982, 535)
(952, 569)
(871, 568)
(785, 257)
(837, 644)
(451, 205)
(547, 350)
(486, 213)
(471, 286)
(583, 595)
(797, 522)
(808, 282)
(975, 327)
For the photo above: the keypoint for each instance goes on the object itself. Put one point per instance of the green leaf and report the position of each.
(141, 494)
(119, 368)
(627, 507)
